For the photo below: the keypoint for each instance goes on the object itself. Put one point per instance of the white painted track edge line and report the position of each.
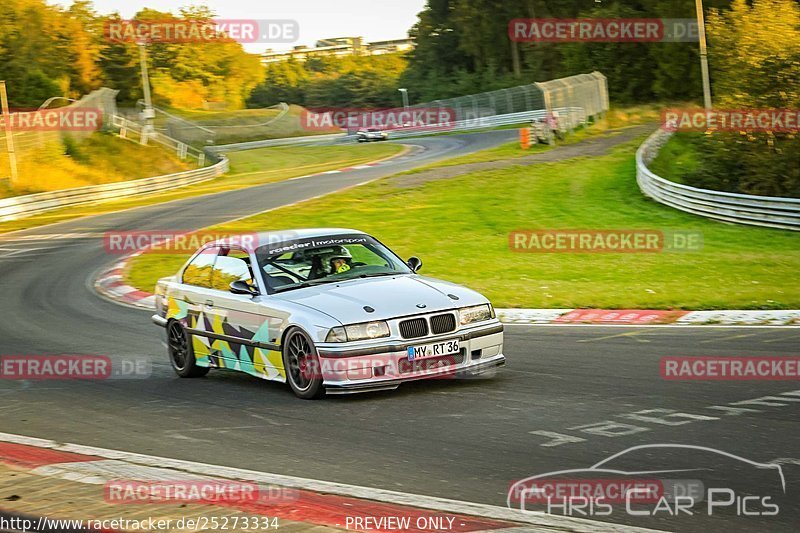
(367, 493)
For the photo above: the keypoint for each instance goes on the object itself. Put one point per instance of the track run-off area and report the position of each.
(569, 397)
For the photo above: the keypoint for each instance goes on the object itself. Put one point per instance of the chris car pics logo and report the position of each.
(656, 480)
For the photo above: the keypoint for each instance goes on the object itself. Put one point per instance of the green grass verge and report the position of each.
(99, 158)
(677, 158)
(460, 227)
(608, 125)
(248, 168)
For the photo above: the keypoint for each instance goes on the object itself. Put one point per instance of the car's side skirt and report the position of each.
(235, 340)
(221, 362)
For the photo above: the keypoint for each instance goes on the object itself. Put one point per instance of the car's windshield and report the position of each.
(318, 260)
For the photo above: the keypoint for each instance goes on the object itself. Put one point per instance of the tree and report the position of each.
(755, 53)
(755, 59)
(367, 82)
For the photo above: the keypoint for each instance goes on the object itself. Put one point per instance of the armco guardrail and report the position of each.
(32, 204)
(769, 211)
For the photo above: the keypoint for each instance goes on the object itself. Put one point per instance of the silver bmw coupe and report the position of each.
(325, 310)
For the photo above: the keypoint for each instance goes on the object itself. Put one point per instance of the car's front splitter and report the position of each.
(471, 369)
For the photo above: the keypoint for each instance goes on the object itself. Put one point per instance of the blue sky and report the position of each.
(372, 19)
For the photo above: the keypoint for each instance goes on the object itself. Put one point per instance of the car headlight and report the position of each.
(358, 332)
(476, 313)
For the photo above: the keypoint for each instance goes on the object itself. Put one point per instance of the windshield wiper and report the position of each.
(307, 283)
(362, 276)
(323, 281)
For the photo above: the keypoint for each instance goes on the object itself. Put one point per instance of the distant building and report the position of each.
(338, 47)
(388, 47)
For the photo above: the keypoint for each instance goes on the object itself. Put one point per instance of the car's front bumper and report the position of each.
(363, 368)
(376, 384)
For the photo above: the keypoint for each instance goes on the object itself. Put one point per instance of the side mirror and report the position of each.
(414, 263)
(242, 287)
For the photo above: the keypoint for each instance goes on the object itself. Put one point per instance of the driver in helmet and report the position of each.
(339, 261)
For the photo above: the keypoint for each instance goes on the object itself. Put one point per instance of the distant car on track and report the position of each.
(326, 310)
(371, 134)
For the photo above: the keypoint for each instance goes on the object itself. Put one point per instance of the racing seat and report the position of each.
(317, 268)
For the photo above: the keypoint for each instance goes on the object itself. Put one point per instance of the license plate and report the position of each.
(437, 349)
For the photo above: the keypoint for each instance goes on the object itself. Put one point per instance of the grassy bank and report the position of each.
(243, 125)
(677, 157)
(101, 158)
(248, 168)
(460, 228)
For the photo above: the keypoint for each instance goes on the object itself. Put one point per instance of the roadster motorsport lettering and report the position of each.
(314, 243)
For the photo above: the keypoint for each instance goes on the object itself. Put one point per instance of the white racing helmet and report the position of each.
(338, 252)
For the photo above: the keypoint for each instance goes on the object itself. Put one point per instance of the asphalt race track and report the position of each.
(569, 397)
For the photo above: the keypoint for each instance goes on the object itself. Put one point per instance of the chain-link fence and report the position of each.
(573, 99)
(474, 107)
(278, 121)
(586, 91)
(39, 136)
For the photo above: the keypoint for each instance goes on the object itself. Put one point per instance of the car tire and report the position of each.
(301, 363)
(181, 353)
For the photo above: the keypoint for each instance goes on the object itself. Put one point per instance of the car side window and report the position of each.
(198, 272)
(231, 265)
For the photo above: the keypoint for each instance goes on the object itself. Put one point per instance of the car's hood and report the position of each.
(390, 297)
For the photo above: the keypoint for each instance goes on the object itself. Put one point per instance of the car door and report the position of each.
(187, 303)
(244, 330)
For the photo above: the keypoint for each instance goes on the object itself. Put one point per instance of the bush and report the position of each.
(72, 149)
(762, 164)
